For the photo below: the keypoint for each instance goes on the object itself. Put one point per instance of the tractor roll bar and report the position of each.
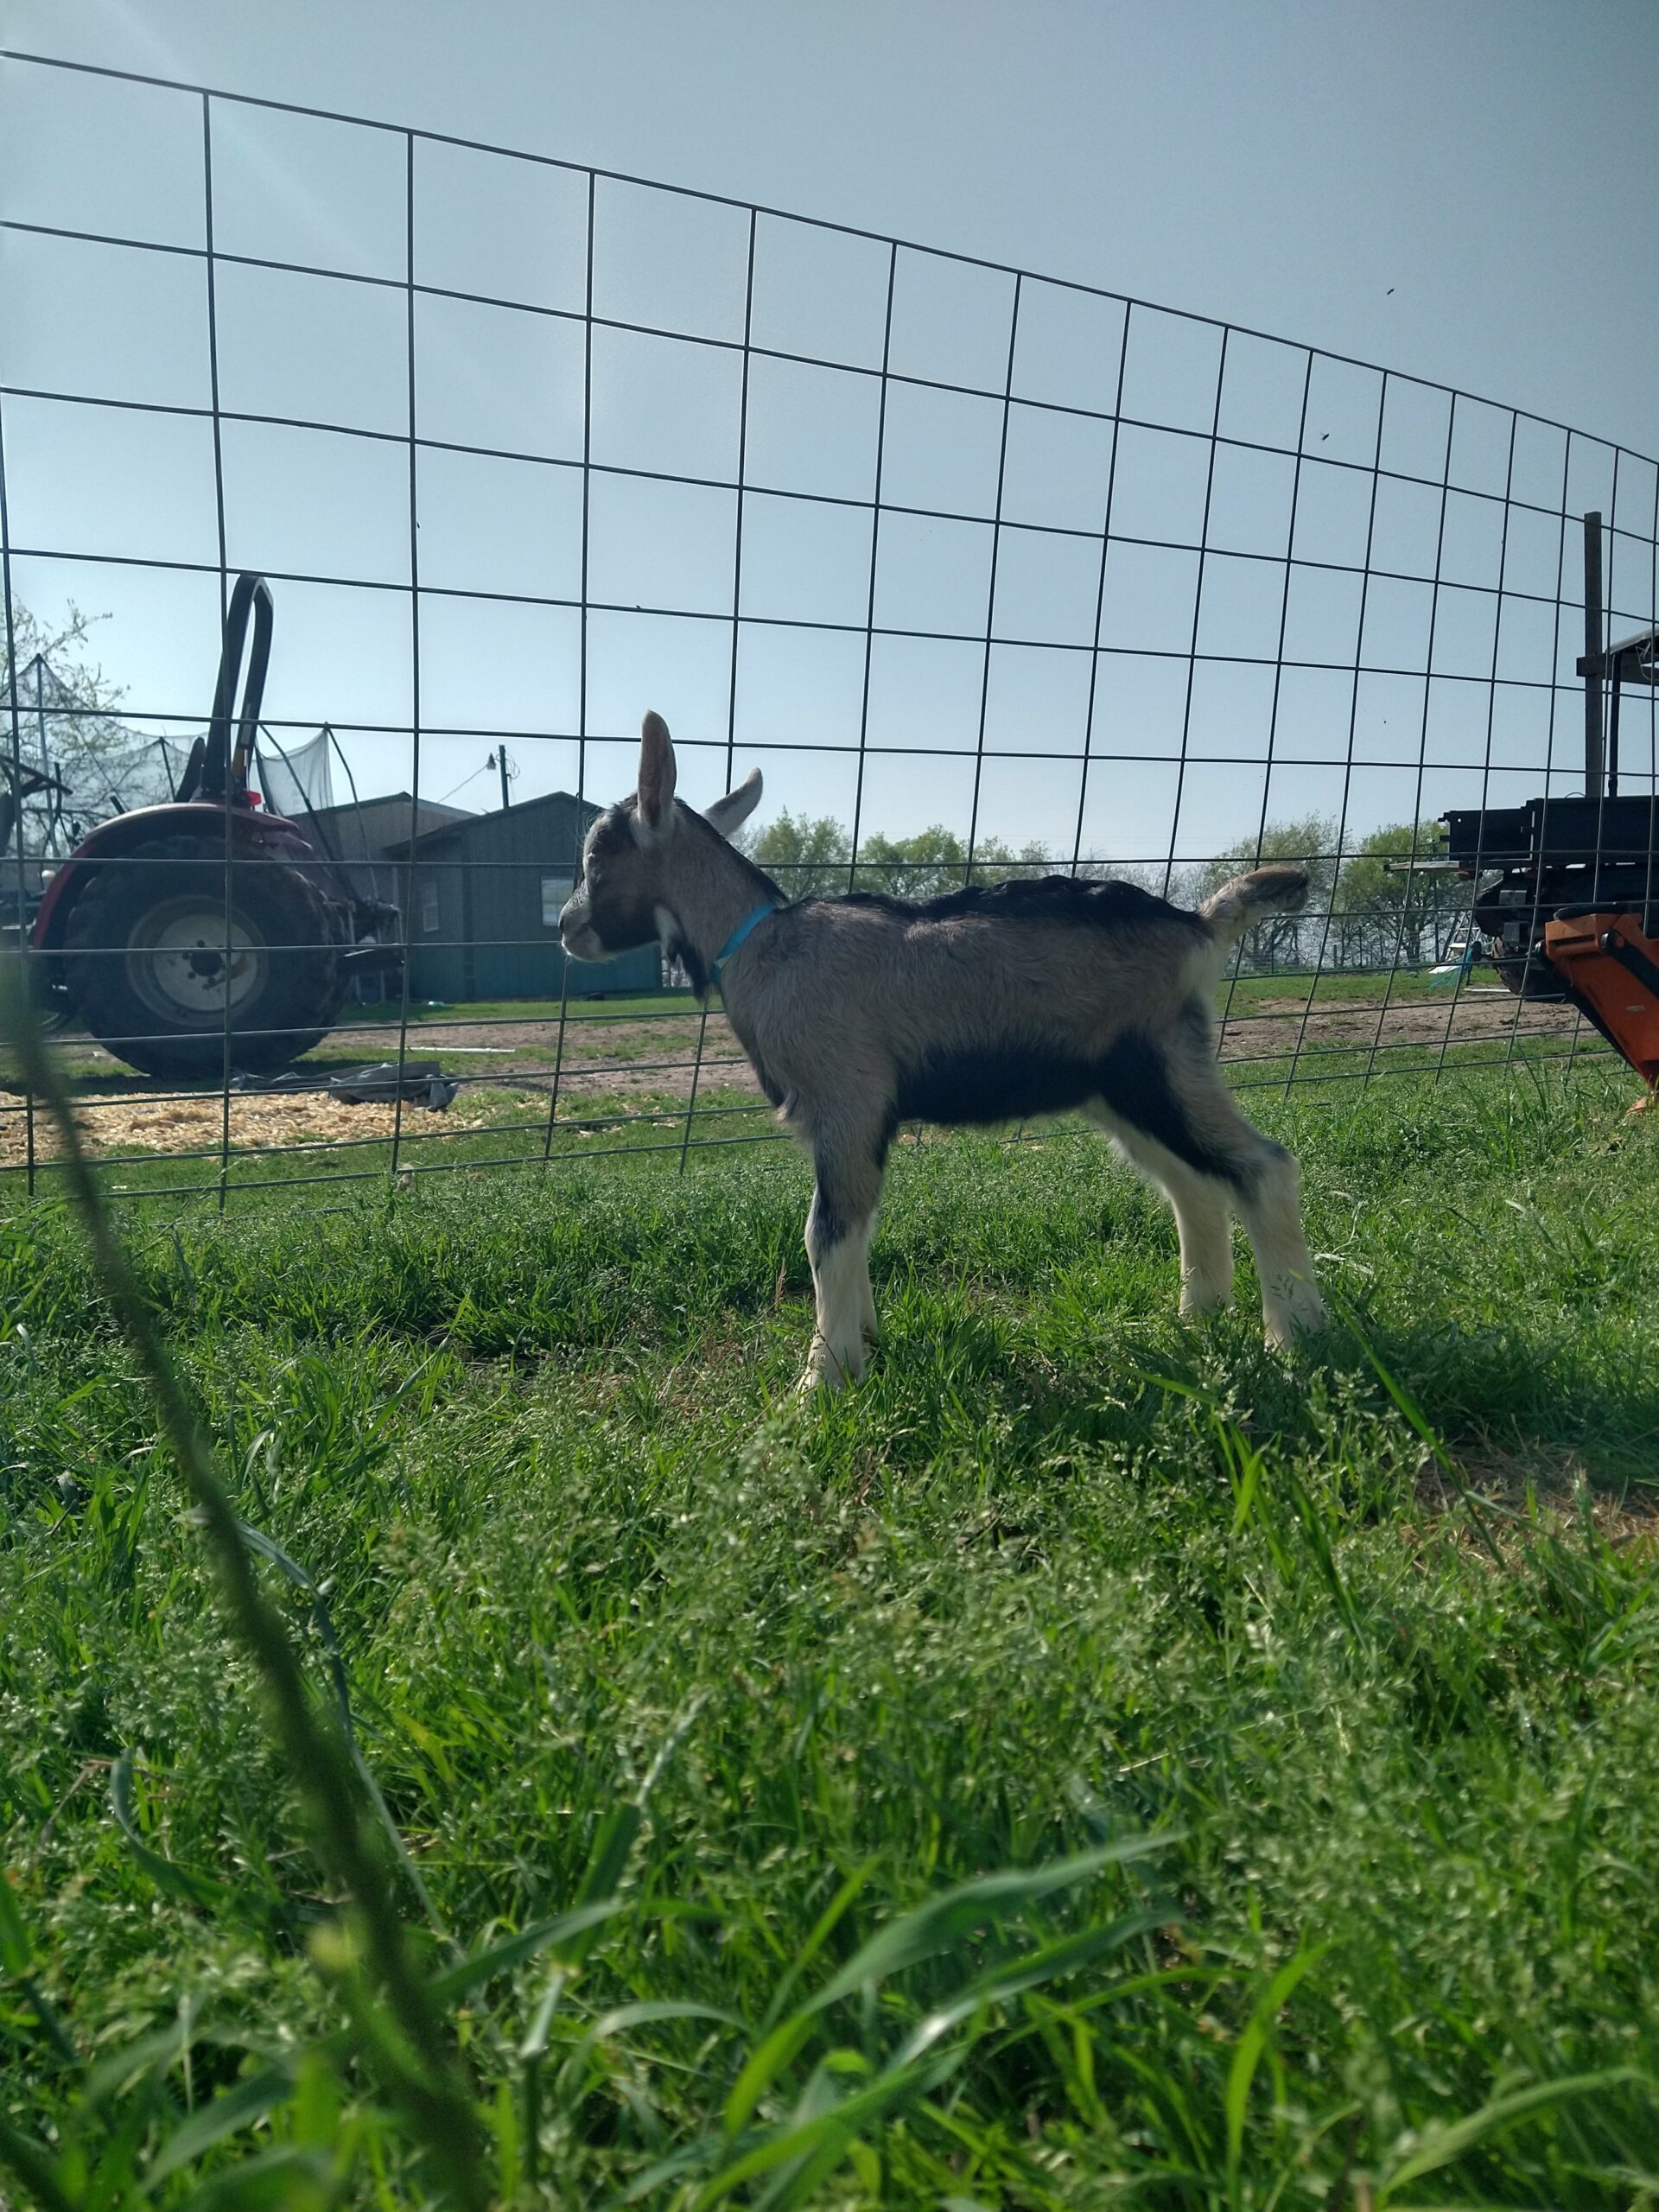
(211, 774)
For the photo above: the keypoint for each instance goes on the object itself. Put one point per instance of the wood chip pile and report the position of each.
(259, 1122)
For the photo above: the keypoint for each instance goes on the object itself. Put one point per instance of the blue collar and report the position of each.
(749, 923)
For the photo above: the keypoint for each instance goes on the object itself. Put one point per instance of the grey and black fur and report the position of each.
(1022, 999)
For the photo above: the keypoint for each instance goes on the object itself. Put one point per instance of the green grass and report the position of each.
(1329, 986)
(630, 1007)
(1362, 1648)
(1332, 986)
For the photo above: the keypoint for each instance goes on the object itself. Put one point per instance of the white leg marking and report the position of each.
(1202, 1209)
(841, 1279)
(1290, 1305)
(866, 1320)
(1204, 1217)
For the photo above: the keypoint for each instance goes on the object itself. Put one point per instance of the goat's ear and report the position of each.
(730, 813)
(656, 786)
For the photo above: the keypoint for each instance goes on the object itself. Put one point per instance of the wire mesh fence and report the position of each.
(990, 572)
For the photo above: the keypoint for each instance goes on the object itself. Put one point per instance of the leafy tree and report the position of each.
(1388, 915)
(1362, 914)
(808, 856)
(1287, 940)
(66, 723)
(936, 860)
(1176, 883)
(31, 720)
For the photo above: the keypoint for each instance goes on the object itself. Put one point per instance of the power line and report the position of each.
(465, 780)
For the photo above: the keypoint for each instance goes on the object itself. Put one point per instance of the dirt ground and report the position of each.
(507, 1068)
(1274, 1028)
(608, 1057)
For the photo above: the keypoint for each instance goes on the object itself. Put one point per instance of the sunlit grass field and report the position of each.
(1308, 1706)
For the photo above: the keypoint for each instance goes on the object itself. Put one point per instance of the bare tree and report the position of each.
(66, 758)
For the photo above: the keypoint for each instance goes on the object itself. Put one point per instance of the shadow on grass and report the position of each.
(1502, 1407)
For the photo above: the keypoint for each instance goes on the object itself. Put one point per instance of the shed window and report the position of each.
(430, 908)
(556, 889)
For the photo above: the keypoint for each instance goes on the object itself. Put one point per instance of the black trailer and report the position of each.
(1595, 852)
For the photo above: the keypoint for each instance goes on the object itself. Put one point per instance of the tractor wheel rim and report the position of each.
(191, 963)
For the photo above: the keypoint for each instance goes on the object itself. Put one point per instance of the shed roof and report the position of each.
(547, 803)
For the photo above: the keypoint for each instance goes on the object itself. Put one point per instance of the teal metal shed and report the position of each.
(484, 909)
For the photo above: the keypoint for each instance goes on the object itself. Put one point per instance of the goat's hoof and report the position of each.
(1301, 1315)
(825, 1371)
(829, 1379)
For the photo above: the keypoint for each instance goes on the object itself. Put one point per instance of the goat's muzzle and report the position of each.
(576, 934)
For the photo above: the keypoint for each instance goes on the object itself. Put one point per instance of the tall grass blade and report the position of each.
(432, 2092)
(222, 2115)
(37, 2168)
(943, 1921)
(1446, 2143)
(16, 1953)
(1003, 1983)
(1247, 2057)
(268, 1548)
(17, 1962)
(561, 1934)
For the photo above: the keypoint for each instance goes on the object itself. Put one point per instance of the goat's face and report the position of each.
(613, 906)
(633, 875)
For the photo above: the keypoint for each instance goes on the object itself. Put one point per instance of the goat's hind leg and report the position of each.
(1181, 1126)
(1270, 1203)
(838, 1231)
(1203, 1215)
(1265, 1190)
(1204, 1221)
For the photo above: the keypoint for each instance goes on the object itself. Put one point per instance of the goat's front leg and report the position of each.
(866, 1295)
(838, 1231)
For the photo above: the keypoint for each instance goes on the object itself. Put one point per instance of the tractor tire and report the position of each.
(147, 971)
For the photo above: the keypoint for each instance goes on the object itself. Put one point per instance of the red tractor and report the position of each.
(208, 934)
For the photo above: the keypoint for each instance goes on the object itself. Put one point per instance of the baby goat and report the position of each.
(860, 1013)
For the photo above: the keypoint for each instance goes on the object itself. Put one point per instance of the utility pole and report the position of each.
(1595, 773)
(498, 760)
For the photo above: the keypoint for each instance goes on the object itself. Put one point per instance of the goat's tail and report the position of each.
(1238, 906)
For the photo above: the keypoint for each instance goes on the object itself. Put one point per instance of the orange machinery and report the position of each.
(1612, 976)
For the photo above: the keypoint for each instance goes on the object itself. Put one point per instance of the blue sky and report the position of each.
(1451, 190)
